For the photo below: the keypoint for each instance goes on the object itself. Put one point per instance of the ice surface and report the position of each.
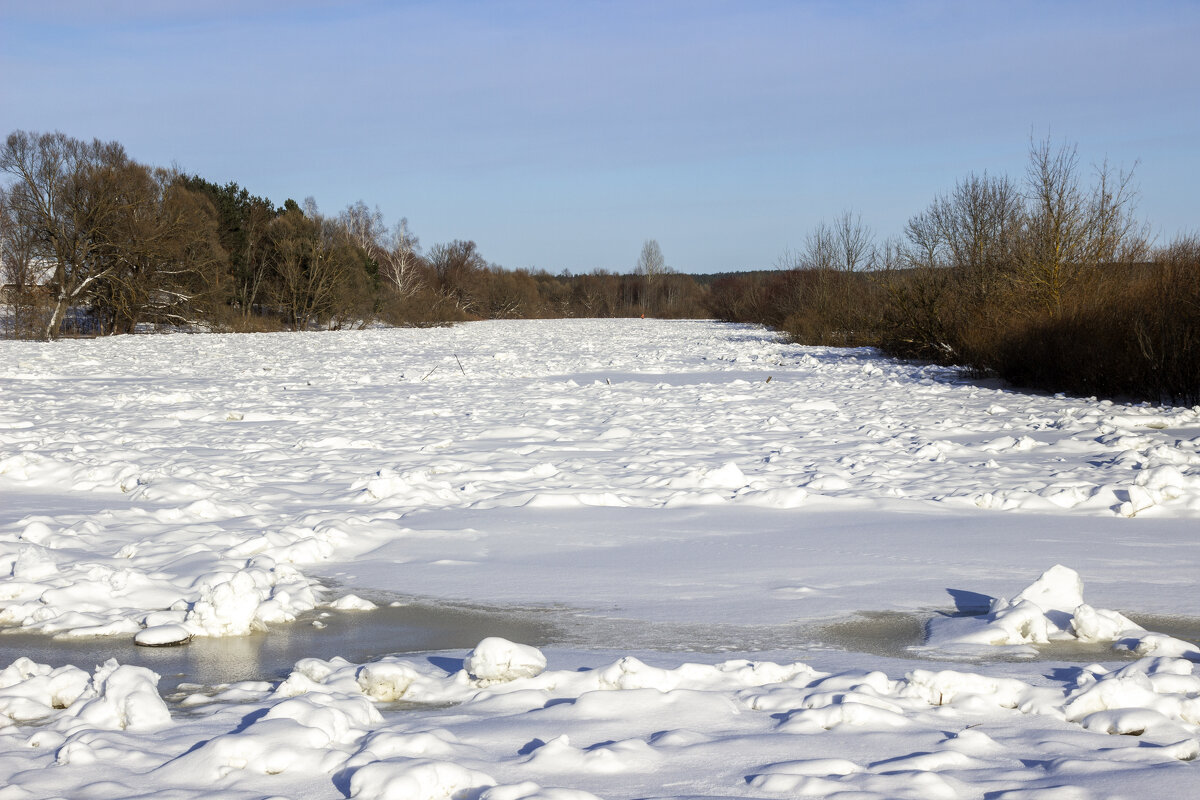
(638, 470)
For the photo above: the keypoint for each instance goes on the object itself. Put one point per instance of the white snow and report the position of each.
(65, 699)
(496, 660)
(636, 474)
(162, 636)
(352, 602)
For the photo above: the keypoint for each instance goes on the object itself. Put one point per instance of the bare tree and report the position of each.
(919, 320)
(458, 270)
(595, 293)
(650, 264)
(364, 226)
(926, 245)
(819, 252)
(511, 294)
(1068, 229)
(395, 252)
(1119, 236)
(853, 242)
(978, 223)
(60, 191)
(318, 267)
(20, 271)
(845, 246)
(160, 252)
(400, 262)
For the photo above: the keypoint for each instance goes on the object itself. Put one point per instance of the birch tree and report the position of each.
(651, 264)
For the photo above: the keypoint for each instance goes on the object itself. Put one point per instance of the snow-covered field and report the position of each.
(698, 509)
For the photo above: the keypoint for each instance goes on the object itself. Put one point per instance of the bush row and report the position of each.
(1049, 283)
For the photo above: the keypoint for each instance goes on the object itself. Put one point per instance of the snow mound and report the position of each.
(121, 697)
(114, 697)
(238, 602)
(162, 636)
(496, 660)
(415, 779)
(1049, 609)
(728, 476)
(528, 790)
(568, 721)
(352, 602)
(31, 691)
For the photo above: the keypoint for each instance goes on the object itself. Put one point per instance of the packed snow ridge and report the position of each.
(502, 726)
(640, 472)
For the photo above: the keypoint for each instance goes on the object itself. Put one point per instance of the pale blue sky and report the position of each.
(563, 134)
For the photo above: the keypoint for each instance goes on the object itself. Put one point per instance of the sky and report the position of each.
(562, 135)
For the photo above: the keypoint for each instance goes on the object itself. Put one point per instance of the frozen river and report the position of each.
(626, 564)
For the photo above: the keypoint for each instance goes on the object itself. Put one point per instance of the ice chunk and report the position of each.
(499, 660)
(1049, 609)
(352, 602)
(163, 636)
(1058, 592)
(386, 681)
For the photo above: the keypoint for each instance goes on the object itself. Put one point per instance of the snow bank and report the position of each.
(121, 697)
(633, 728)
(629, 721)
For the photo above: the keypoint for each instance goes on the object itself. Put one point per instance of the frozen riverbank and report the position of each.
(628, 470)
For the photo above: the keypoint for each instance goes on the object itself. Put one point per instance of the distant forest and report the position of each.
(95, 243)
(1049, 281)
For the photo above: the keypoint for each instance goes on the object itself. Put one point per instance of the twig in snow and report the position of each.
(460, 366)
(427, 374)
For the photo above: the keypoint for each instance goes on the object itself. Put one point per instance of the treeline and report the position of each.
(93, 242)
(1049, 282)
